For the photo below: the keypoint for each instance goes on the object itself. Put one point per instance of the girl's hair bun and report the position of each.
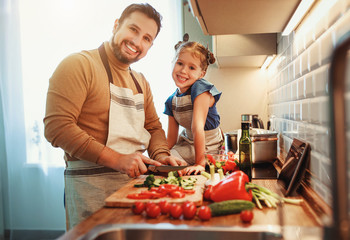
(210, 58)
(185, 38)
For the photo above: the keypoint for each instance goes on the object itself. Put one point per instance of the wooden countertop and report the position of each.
(294, 215)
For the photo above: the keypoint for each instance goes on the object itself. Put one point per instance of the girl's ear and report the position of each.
(202, 74)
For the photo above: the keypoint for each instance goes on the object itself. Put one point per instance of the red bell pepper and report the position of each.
(232, 187)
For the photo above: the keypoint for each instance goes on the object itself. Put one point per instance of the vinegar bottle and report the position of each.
(245, 147)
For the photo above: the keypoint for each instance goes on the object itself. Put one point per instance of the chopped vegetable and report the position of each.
(173, 178)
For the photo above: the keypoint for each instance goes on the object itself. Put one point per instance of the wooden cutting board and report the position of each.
(119, 199)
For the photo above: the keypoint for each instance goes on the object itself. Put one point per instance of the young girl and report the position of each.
(193, 106)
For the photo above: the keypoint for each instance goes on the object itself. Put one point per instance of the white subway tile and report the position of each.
(294, 90)
(322, 140)
(324, 110)
(320, 27)
(342, 26)
(327, 46)
(289, 91)
(305, 110)
(321, 81)
(325, 171)
(314, 55)
(297, 67)
(291, 74)
(309, 88)
(297, 110)
(301, 88)
(314, 111)
(334, 13)
(310, 135)
(304, 63)
(315, 163)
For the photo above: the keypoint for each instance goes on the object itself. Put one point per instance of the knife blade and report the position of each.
(165, 168)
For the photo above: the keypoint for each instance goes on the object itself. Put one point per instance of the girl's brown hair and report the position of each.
(198, 50)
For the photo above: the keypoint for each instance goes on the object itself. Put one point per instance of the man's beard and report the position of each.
(122, 57)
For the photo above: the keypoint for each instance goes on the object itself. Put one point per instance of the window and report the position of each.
(52, 29)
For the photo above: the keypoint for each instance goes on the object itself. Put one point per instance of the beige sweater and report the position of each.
(77, 106)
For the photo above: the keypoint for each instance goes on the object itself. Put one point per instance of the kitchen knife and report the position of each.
(165, 168)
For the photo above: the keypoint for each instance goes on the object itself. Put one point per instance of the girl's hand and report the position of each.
(196, 169)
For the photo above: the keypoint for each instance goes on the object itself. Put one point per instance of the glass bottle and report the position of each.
(245, 147)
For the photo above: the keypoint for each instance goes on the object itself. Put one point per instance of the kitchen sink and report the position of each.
(164, 231)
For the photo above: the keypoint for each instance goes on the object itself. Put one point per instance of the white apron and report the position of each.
(87, 185)
(184, 148)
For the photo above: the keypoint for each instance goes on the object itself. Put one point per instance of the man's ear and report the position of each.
(116, 23)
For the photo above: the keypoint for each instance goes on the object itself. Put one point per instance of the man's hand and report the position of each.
(131, 164)
(171, 160)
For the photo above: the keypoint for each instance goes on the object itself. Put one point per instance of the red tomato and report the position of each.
(175, 210)
(189, 191)
(164, 206)
(152, 210)
(168, 188)
(207, 192)
(177, 194)
(138, 207)
(137, 196)
(247, 216)
(189, 210)
(204, 213)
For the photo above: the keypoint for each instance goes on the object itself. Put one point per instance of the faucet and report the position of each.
(339, 228)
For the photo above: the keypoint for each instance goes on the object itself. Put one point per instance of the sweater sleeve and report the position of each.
(68, 90)
(158, 145)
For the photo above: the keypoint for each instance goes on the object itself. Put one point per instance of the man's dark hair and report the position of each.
(144, 8)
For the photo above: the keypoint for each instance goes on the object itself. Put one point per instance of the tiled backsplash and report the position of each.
(298, 87)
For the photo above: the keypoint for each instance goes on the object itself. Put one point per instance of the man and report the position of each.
(102, 115)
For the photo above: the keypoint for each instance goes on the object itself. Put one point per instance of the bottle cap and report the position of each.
(245, 117)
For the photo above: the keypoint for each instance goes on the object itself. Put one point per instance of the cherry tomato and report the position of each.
(175, 210)
(207, 192)
(246, 216)
(164, 206)
(138, 207)
(189, 210)
(177, 194)
(152, 210)
(204, 213)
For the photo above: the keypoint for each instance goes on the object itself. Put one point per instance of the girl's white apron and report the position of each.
(184, 148)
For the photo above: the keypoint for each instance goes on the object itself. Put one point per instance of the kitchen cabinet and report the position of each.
(243, 17)
(244, 32)
(244, 50)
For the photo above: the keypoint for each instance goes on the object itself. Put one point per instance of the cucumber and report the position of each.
(157, 182)
(230, 207)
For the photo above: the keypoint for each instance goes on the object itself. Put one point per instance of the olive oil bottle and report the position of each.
(245, 147)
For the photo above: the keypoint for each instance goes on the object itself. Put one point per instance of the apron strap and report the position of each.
(104, 59)
(139, 89)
